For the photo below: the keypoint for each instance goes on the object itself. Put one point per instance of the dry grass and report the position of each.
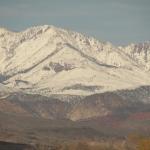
(140, 142)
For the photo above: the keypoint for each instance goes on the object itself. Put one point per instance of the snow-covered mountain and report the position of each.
(49, 60)
(140, 52)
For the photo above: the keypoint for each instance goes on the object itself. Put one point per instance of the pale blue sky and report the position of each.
(118, 21)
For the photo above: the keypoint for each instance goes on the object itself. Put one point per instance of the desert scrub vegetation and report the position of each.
(83, 145)
(140, 142)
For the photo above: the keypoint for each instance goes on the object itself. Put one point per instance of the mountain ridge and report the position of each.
(51, 60)
(58, 85)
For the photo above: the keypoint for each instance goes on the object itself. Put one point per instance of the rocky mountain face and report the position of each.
(54, 73)
(47, 60)
(140, 53)
(59, 86)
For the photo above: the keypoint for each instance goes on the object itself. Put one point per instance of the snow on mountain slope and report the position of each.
(49, 60)
(140, 53)
(5, 91)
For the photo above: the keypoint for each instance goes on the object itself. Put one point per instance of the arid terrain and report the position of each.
(43, 123)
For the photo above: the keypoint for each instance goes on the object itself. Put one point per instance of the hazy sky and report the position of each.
(118, 21)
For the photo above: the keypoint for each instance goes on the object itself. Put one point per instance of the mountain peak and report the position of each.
(48, 60)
